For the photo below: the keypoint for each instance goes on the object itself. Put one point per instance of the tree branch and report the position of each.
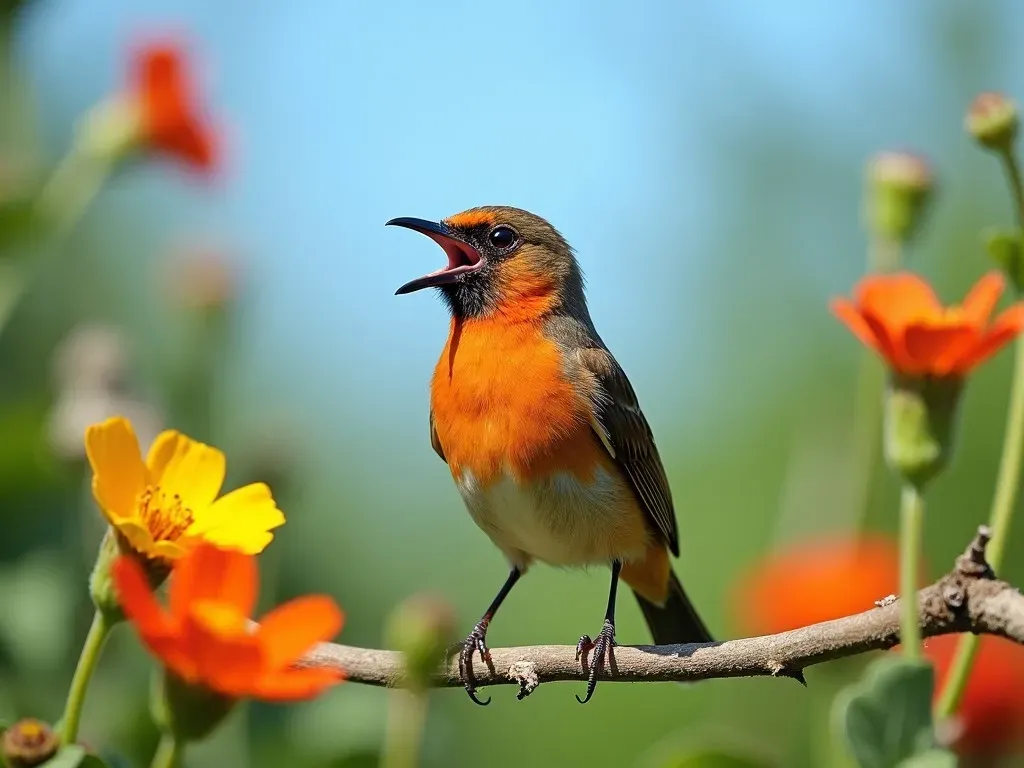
(967, 599)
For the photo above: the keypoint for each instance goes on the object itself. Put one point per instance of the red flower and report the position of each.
(816, 580)
(206, 639)
(991, 717)
(899, 317)
(171, 120)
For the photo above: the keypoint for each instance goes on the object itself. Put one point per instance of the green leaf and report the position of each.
(887, 717)
(713, 758)
(92, 761)
(932, 758)
(1004, 248)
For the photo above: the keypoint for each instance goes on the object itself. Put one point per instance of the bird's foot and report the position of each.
(601, 652)
(475, 641)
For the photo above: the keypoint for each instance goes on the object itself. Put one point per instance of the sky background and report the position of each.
(706, 160)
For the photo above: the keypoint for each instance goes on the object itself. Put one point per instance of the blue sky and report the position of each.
(617, 121)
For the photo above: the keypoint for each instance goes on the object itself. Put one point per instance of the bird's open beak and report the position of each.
(462, 257)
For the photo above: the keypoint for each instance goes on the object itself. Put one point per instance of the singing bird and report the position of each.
(541, 428)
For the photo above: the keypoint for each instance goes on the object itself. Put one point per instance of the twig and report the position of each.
(967, 599)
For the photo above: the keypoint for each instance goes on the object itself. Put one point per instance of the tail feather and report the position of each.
(675, 622)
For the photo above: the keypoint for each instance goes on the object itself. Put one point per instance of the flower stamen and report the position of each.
(166, 519)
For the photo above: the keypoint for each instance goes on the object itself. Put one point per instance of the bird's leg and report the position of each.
(477, 639)
(602, 647)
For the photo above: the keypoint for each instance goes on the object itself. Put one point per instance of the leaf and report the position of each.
(1004, 248)
(713, 758)
(932, 758)
(887, 717)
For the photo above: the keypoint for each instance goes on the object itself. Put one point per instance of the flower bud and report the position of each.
(422, 628)
(101, 580)
(189, 712)
(920, 421)
(899, 186)
(27, 743)
(992, 119)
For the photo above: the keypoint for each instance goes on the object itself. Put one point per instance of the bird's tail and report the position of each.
(675, 622)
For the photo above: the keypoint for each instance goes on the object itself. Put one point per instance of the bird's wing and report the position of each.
(435, 443)
(625, 433)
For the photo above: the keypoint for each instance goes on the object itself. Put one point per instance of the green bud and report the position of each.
(28, 743)
(992, 119)
(422, 628)
(189, 712)
(920, 425)
(1004, 248)
(899, 185)
(101, 581)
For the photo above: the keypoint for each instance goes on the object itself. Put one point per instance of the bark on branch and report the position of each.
(967, 599)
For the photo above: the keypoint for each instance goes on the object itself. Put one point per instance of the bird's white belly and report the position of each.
(558, 520)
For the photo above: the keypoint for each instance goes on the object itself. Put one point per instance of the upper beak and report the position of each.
(462, 257)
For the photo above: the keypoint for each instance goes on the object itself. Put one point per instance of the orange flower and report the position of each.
(170, 119)
(816, 580)
(206, 639)
(899, 317)
(991, 716)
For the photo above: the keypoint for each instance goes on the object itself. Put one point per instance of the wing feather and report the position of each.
(626, 435)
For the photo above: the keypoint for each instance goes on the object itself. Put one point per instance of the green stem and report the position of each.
(168, 752)
(885, 254)
(407, 717)
(1004, 501)
(91, 651)
(911, 527)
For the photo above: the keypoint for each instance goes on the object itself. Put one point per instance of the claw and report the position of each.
(602, 652)
(475, 641)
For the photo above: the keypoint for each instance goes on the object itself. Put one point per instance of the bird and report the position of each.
(542, 431)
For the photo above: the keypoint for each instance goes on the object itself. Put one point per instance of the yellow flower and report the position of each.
(164, 506)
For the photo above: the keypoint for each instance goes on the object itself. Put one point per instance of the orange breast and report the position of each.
(501, 401)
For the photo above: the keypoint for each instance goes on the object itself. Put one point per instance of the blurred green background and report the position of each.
(706, 162)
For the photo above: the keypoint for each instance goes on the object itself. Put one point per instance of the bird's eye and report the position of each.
(502, 237)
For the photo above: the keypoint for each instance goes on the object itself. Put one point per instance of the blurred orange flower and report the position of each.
(205, 638)
(990, 721)
(816, 580)
(899, 317)
(166, 505)
(169, 111)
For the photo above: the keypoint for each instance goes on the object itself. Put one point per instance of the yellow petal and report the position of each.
(241, 520)
(137, 535)
(183, 466)
(119, 475)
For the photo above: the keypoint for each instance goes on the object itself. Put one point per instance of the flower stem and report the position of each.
(1004, 501)
(407, 717)
(168, 752)
(911, 527)
(91, 651)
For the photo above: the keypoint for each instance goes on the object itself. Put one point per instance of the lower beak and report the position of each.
(462, 257)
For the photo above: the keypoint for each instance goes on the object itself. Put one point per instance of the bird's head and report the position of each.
(500, 259)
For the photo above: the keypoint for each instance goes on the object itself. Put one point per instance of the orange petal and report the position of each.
(890, 342)
(211, 573)
(296, 684)
(1001, 332)
(226, 664)
(897, 299)
(291, 629)
(851, 316)
(118, 474)
(936, 349)
(981, 301)
(137, 599)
